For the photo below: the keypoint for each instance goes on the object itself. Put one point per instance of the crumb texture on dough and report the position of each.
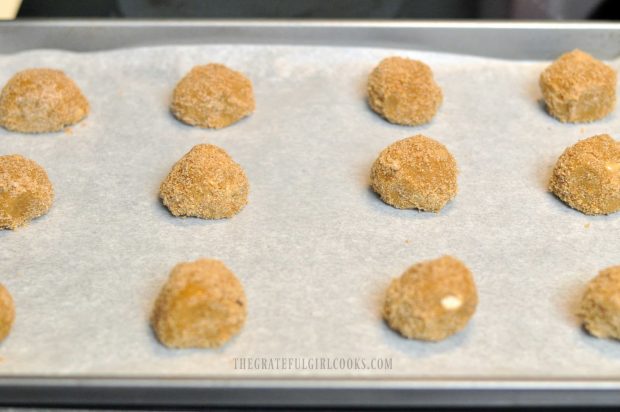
(25, 191)
(415, 173)
(7, 313)
(212, 96)
(432, 300)
(578, 88)
(403, 91)
(587, 176)
(41, 101)
(600, 305)
(202, 305)
(205, 183)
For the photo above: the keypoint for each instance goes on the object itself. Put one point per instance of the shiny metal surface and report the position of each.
(491, 39)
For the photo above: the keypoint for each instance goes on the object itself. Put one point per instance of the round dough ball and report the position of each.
(40, 101)
(212, 96)
(7, 313)
(587, 176)
(578, 88)
(403, 91)
(415, 173)
(25, 191)
(205, 183)
(202, 305)
(600, 305)
(432, 300)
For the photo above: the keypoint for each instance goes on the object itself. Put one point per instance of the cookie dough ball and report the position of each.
(403, 91)
(40, 101)
(205, 183)
(415, 173)
(212, 96)
(7, 313)
(587, 176)
(432, 300)
(25, 191)
(600, 305)
(578, 88)
(201, 306)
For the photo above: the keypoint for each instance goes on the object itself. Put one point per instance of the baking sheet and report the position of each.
(315, 248)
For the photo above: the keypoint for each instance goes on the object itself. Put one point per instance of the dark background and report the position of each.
(384, 9)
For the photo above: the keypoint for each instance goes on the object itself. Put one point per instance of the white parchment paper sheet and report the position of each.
(315, 248)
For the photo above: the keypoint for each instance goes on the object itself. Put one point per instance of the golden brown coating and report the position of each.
(432, 300)
(212, 96)
(403, 91)
(600, 305)
(415, 173)
(25, 191)
(40, 101)
(587, 176)
(205, 183)
(578, 88)
(202, 305)
(7, 313)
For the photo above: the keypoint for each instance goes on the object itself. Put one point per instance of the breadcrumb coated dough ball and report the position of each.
(415, 173)
(600, 305)
(587, 176)
(7, 313)
(202, 305)
(212, 96)
(403, 91)
(578, 88)
(40, 101)
(25, 191)
(432, 300)
(205, 183)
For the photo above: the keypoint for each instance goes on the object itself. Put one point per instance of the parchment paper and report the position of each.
(315, 248)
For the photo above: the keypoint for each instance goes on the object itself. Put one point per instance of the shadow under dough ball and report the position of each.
(578, 88)
(7, 313)
(403, 91)
(205, 183)
(415, 173)
(212, 96)
(25, 191)
(587, 176)
(600, 305)
(202, 305)
(432, 300)
(41, 101)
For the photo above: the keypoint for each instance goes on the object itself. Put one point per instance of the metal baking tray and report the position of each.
(517, 41)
